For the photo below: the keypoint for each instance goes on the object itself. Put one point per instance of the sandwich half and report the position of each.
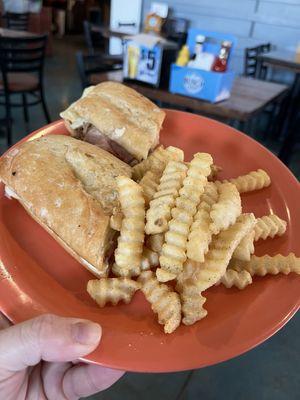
(68, 187)
(117, 119)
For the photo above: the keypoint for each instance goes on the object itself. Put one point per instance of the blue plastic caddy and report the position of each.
(205, 85)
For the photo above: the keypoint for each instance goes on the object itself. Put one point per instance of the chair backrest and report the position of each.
(91, 64)
(95, 15)
(17, 21)
(22, 54)
(250, 66)
(174, 26)
(88, 65)
(88, 36)
(94, 39)
(176, 29)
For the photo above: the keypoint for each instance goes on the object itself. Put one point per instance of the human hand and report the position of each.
(37, 359)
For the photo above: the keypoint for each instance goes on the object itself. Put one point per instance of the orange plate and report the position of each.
(38, 276)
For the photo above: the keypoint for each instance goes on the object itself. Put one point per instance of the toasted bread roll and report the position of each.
(69, 188)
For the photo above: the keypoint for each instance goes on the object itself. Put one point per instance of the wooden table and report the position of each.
(281, 59)
(108, 33)
(38, 24)
(248, 98)
(11, 33)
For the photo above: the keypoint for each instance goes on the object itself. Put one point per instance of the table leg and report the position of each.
(291, 107)
(241, 125)
(285, 152)
(279, 120)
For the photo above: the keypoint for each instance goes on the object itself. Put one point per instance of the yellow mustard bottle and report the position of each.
(183, 56)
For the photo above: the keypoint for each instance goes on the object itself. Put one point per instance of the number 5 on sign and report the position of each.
(142, 63)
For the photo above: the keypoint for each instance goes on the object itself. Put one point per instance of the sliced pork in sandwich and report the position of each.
(116, 118)
(68, 187)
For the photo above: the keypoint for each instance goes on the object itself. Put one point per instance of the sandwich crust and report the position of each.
(121, 114)
(68, 187)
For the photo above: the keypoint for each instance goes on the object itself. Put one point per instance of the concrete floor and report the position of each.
(269, 372)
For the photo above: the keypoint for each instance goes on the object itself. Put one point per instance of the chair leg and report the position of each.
(8, 121)
(25, 109)
(44, 105)
(9, 132)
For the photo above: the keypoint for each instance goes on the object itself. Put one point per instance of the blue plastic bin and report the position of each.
(205, 85)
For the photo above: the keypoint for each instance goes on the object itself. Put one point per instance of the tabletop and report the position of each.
(248, 97)
(108, 33)
(282, 59)
(11, 33)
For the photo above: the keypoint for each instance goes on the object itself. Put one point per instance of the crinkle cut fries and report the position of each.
(177, 224)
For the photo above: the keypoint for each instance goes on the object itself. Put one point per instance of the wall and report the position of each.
(252, 21)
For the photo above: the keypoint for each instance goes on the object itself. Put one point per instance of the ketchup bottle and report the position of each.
(220, 64)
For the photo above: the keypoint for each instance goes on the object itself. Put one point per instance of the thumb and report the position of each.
(48, 338)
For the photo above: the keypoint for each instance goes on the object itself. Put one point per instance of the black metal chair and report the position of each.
(251, 65)
(17, 21)
(94, 39)
(90, 43)
(176, 29)
(96, 43)
(22, 67)
(91, 65)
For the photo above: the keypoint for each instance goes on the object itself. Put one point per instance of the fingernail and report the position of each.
(87, 333)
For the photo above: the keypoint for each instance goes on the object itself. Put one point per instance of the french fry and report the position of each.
(200, 235)
(164, 302)
(139, 170)
(192, 304)
(245, 248)
(128, 255)
(149, 259)
(112, 290)
(116, 219)
(220, 252)
(156, 162)
(254, 180)
(159, 213)
(191, 299)
(159, 160)
(226, 210)
(164, 276)
(155, 242)
(266, 226)
(175, 153)
(189, 268)
(173, 253)
(197, 277)
(194, 232)
(196, 179)
(266, 264)
(215, 169)
(269, 226)
(234, 278)
(149, 184)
